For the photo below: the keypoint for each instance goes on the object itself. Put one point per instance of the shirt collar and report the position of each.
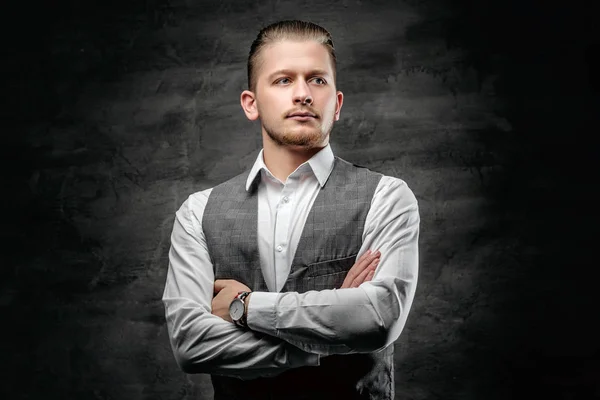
(321, 165)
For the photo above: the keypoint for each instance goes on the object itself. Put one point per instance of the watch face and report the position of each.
(236, 309)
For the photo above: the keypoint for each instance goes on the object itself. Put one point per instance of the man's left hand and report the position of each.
(225, 292)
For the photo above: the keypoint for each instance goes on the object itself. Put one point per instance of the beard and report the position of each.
(307, 135)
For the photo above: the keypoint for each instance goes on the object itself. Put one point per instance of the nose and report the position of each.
(302, 93)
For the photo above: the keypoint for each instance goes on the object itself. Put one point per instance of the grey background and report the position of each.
(117, 111)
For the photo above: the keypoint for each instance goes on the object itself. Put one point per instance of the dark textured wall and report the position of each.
(119, 110)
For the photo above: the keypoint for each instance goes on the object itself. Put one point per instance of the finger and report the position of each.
(220, 284)
(364, 262)
(361, 263)
(360, 278)
(372, 269)
(367, 258)
(364, 256)
(355, 270)
(363, 275)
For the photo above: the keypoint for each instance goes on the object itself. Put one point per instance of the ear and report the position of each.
(248, 101)
(338, 106)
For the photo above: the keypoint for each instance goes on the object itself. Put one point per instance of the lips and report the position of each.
(302, 114)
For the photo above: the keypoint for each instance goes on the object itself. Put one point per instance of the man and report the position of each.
(272, 287)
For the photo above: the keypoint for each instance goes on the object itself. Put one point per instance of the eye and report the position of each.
(319, 81)
(282, 81)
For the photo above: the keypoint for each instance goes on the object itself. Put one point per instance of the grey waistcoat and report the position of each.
(327, 249)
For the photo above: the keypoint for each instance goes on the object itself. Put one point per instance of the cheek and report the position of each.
(267, 104)
(331, 106)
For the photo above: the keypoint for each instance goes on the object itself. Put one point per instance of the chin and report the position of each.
(300, 137)
(304, 140)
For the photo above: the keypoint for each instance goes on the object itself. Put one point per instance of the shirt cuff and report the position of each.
(262, 312)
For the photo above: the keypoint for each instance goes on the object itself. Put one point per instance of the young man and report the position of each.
(272, 287)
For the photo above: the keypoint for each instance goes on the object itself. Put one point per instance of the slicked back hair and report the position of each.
(287, 30)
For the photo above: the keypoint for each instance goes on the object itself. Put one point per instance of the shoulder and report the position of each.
(351, 174)
(393, 203)
(191, 211)
(396, 188)
(237, 183)
(350, 166)
(388, 188)
(196, 202)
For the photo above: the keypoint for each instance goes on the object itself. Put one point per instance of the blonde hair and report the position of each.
(287, 30)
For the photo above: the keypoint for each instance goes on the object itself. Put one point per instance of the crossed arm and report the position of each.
(226, 289)
(289, 330)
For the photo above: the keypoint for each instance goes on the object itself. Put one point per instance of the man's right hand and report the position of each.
(363, 270)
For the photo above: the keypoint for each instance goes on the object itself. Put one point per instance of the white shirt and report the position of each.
(289, 330)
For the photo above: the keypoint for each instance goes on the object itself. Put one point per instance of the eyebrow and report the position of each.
(290, 72)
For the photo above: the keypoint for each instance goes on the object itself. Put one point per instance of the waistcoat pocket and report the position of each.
(329, 274)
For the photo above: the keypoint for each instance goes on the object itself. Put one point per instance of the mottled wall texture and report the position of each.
(115, 111)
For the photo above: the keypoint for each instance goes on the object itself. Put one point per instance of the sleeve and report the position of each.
(202, 342)
(363, 319)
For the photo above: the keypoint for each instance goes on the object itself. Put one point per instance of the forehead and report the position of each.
(297, 56)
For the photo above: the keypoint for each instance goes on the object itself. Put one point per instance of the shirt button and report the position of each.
(286, 199)
(279, 248)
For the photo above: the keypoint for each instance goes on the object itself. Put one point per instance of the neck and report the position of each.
(283, 160)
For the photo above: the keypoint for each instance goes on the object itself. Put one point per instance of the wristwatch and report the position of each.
(237, 309)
